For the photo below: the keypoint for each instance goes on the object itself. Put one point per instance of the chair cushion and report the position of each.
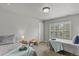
(76, 40)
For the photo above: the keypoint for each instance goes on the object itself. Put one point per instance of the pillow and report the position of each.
(1, 39)
(76, 40)
(22, 48)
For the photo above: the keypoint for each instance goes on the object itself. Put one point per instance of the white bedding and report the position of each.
(69, 46)
(6, 48)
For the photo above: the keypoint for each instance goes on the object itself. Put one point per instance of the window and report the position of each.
(60, 30)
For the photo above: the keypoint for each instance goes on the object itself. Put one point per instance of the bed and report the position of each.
(66, 45)
(13, 50)
(9, 47)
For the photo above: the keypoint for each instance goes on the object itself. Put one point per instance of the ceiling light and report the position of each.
(46, 9)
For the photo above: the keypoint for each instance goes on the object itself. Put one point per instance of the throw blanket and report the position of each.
(56, 45)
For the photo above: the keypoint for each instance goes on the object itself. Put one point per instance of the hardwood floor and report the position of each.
(44, 50)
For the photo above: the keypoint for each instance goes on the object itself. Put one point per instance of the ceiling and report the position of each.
(35, 9)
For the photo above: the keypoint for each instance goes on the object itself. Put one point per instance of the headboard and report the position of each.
(7, 39)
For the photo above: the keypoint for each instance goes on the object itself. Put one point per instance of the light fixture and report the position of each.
(46, 9)
(22, 36)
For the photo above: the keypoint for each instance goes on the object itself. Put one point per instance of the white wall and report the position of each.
(74, 25)
(13, 23)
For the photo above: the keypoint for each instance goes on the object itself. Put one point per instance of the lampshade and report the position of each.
(22, 36)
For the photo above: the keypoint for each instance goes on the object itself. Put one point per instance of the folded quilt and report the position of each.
(56, 45)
